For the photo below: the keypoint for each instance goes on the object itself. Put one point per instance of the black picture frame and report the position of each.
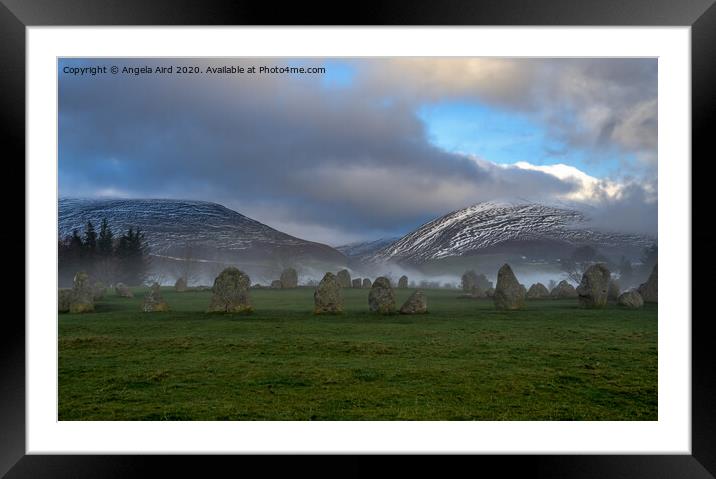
(700, 15)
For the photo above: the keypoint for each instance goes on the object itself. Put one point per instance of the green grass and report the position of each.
(462, 361)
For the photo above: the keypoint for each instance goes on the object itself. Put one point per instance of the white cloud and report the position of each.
(586, 188)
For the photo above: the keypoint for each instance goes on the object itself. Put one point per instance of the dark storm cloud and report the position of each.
(330, 164)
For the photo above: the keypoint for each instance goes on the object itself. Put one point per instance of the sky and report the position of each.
(371, 147)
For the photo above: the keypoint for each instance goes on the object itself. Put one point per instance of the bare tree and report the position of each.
(578, 262)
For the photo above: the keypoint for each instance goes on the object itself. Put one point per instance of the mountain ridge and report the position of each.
(488, 225)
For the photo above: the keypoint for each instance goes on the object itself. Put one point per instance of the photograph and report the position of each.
(416, 238)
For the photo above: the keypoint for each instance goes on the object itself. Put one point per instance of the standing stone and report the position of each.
(98, 290)
(563, 290)
(469, 280)
(123, 291)
(82, 294)
(509, 293)
(381, 298)
(180, 286)
(631, 300)
(593, 290)
(613, 291)
(366, 283)
(403, 282)
(276, 284)
(289, 278)
(357, 283)
(649, 290)
(230, 293)
(344, 278)
(64, 298)
(153, 301)
(328, 299)
(538, 291)
(417, 303)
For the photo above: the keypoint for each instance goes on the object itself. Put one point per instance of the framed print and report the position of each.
(431, 231)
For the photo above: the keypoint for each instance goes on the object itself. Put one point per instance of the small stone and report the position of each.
(153, 301)
(631, 300)
(563, 290)
(538, 291)
(417, 303)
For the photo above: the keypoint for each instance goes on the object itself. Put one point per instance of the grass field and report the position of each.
(462, 361)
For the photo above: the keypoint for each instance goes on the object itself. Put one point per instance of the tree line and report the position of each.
(104, 256)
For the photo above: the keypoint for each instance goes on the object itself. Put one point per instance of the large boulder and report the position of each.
(64, 298)
(613, 291)
(289, 278)
(366, 283)
(592, 292)
(538, 291)
(327, 298)
(180, 286)
(563, 290)
(417, 303)
(276, 284)
(123, 291)
(509, 293)
(357, 283)
(630, 300)
(82, 300)
(344, 278)
(153, 301)
(403, 282)
(381, 298)
(230, 293)
(649, 290)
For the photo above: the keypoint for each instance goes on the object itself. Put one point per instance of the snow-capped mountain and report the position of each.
(363, 248)
(525, 228)
(208, 230)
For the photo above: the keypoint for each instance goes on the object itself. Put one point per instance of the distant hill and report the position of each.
(525, 229)
(203, 232)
